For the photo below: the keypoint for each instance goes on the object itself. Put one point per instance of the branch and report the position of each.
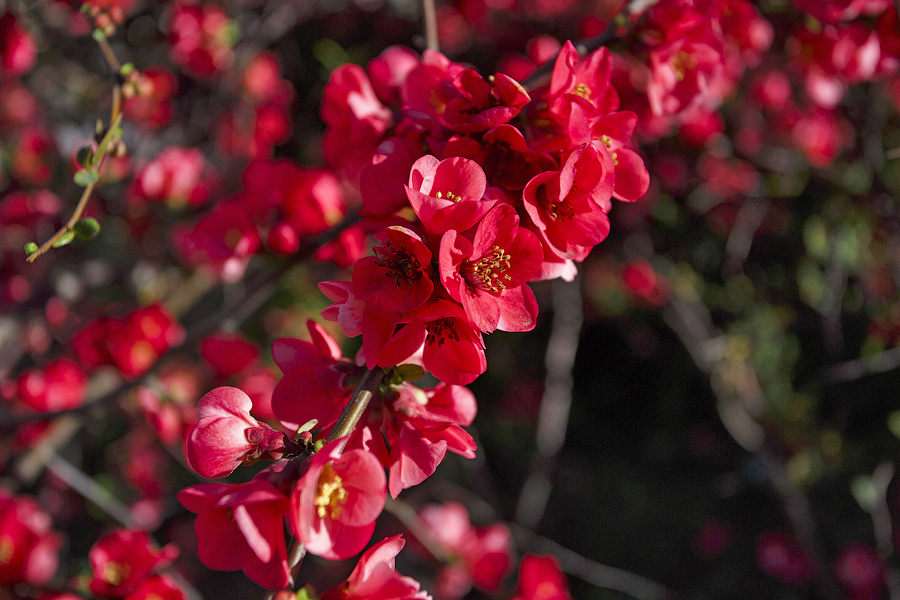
(584, 47)
(429, 16)
(263, 283)
(357, 405)
(108, 142)
(592, 572)
(553, 418)
(109, 504)
(739, 407)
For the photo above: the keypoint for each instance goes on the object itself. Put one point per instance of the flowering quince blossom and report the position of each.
(335, 503)
(488, 274)
(157, 587)
(541, 579)
(408, 429)
(241, 526)
(122, 561)
(29, 548)
(226, 435)
(447, 194)
(315, 383)
(422, 425)
(398, 277)
(483, 554)
(374, 577)
(569, 207)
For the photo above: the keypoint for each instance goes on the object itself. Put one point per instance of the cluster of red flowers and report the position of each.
(505, 187)
(505, 204)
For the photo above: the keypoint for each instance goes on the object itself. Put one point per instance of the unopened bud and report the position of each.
(30, 248)
(84, 156)
(86, 229)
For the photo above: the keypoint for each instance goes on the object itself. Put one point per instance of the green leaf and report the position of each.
(30, 248)
(66, 238)
(308, 425)
(86, 229)
(85, 178)
(410, 372)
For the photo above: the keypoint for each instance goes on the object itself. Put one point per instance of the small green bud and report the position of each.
(126, 70)
(318, 445)
(86, 229)
(84, 156)
(66, 238)
(86, 177)
(30, 248)
(98, 35)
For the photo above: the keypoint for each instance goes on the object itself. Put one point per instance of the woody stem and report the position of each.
(357, 405)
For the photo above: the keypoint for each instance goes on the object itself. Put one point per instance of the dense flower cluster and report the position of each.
(507, 187)
(474, 187)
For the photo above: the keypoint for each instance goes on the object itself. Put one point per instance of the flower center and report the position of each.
(400, 265)
(681, 62)
(583, 91)
(436, 331)
(115, 573)
(489, 271)
(7, 548)
(449, 195)
(330, 494)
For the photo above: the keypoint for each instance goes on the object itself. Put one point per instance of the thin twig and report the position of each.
(600, 575)
(407, 515)
(109, 504)
(584, 47)
(429, 16)
(263, 284)
(739, 407)
(553, 418)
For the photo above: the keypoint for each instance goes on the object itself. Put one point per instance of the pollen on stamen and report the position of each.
(330, 494)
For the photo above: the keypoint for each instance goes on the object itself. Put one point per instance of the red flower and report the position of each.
(483, 554)
(59, 386)
(336, 501)
(122, 560)
(28, 547)
(487, 275)
(374, 577)
(157, 587)
(453, 349)
(241, 527)
(355, 118)
(569, 207)
(228, 354)
(398, 277)
(226, 436)
(447, 194)
(541, 579)
(314, 384)
(421, 426)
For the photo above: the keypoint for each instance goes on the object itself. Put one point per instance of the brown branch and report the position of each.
(542, 74)
(553, 418)
(429, 16)
(357, 405)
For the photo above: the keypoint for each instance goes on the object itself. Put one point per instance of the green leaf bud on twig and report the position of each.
(84, 156)
(30, 248)
(64, 239)
(86, 229)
